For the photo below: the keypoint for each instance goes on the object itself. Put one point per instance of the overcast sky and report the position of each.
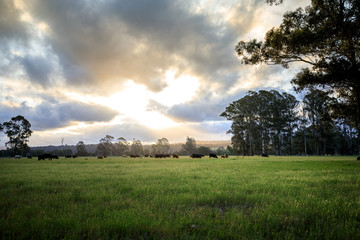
(138, 69)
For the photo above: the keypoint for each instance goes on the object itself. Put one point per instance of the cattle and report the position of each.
(264, 155)
(17, 156)
(212, 155)
(74, 156)
(224, 155)
(68, 156)
(196, 155)
(175, 155)
(134, 155)
(161, 155)
(47, 156)
(100, 157)
(358, 158)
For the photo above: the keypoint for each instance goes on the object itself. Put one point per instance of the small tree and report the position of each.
(81, 150)
(190, 145)
(105, 146)
(161, 146)
(204, 150)
(121, 147)
(18, 131)
(136, 147)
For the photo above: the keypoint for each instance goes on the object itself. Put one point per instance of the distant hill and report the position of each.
(91, 148)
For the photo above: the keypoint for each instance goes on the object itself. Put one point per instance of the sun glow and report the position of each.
(132, 105)
(179, 90)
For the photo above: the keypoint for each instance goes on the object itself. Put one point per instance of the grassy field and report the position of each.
(234, 198)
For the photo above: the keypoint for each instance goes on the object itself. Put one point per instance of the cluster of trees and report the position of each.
(270, 122)
(325, 37)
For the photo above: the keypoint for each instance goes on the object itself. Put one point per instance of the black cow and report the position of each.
(175, 155)
(196, 155)
(162, 155)
(74, 156)
(134, 156)
(264, 155)
(212, 155)
(68, 156)
(47, 156)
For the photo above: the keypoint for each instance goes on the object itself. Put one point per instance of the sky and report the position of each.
(137, 69)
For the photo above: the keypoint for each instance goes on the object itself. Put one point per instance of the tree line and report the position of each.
(18, 131)
(270, 122)
(325, 37)
(121, 147)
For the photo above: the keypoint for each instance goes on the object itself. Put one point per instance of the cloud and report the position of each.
(37, 68)
(56, 115)
(11, 26)
(91, 49)
(140, 40)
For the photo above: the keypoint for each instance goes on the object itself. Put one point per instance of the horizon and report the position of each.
(80, 70)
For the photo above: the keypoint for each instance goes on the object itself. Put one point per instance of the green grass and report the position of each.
(234, 198)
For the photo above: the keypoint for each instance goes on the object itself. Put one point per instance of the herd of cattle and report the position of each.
(53, 156)
(194, 155)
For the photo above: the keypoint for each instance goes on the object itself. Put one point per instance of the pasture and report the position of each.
(147, 198)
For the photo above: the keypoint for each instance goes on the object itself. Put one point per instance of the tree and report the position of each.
(162, 146)
(317, 109)
(18, 131)
(121, 147)
(190, 145)
(105, 146)
(204, 150)
(326, 37)
(260, 118)
(80, 148)
(136, 147)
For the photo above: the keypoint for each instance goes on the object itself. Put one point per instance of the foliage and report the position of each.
(136, 147)
(18, 131)
(161, 146)
(190, 146)
(260, 118)
(105, 146)
(273, 123)
(326, 37)
(80, 148)
(121, 147)
(204, 150)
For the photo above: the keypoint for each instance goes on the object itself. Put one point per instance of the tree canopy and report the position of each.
(18, 131)
(269, 122)
(325, 36)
